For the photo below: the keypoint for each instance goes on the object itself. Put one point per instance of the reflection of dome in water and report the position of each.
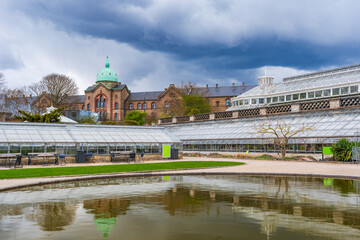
(105, 225)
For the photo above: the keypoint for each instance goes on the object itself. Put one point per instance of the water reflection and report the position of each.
(53, 216)
(191, 207)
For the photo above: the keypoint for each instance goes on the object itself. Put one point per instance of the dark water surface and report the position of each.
(185, 207)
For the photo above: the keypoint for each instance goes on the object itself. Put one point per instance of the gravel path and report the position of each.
(268, 167)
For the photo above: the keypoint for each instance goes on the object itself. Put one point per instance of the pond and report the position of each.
(184, 207)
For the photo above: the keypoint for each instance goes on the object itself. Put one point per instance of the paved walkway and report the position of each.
(268, 167)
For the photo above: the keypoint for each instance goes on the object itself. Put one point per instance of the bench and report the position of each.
(123, 155)
(60, 158)
(11, 159)
(45, 157)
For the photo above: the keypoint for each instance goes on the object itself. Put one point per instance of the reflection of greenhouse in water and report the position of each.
(320, 207)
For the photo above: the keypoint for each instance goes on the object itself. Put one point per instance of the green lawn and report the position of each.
(115, 168)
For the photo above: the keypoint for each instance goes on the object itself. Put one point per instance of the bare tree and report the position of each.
(280, 132)
(36, 89)
(57, 86)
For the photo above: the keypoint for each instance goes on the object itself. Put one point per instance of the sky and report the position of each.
(153, 43)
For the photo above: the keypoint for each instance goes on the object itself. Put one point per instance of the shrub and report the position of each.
(135, 116)
(342, 150)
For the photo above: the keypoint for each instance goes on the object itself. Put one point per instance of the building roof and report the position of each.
(140, 96)
(107, 74)
(329, 78)
(332, 124)
(75, 99)
(225, 91)
(118, 86)
(77, 133)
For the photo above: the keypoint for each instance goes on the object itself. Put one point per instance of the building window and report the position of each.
(326, 92)
(268, 100)
(344, 90)
(83, 107)
(227, 102)
(281, 98)
(97, 103)
(131, 106)
(246, 101)
(88, 97)
(295, 96)
(104, 103)
(311, 94)
(88, 107)
(261, 100)
(166, 104)
(275, 99)
(288, 97)
(139, 106)
(336, 91)
(217, 103)
(116, 105)
(115, 116)
(253, 101)
(318, 93)
(144, 105)
(153, 105)
(354, 89)
(302, 95)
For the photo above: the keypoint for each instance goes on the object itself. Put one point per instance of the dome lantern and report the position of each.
(107, 74)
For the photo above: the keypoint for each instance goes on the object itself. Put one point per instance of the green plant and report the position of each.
(86, 120)
(195, 104)
(51, 117)
(342, 150)
(110, 123)
(135, 116)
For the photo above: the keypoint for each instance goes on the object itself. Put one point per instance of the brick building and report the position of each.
(112, 99)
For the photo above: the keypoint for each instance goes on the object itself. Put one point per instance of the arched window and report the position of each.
(115, 116)
(88, 107)
(139, 106)
(104, 102)
(131, 106)
(153, 105)
(228, 103)
(97, 103)
(116, 105)
(166, 104)
(144, 105)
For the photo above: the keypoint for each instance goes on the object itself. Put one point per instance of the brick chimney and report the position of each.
(233, 85)
(207, 86)
(243, 85)
(217, 86)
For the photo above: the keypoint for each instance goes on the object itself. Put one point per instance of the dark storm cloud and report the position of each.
(152, 43)
(116, 20)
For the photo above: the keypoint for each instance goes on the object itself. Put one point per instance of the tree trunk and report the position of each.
(283, 152)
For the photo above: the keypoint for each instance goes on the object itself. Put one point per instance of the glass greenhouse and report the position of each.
(333, 83)
(61, 138)
(240, 134)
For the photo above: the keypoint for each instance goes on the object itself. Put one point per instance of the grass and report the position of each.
(84, 170)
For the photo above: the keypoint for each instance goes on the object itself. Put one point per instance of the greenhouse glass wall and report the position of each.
(67, 139)
(239, 135)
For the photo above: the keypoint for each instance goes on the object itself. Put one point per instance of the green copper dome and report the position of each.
(107, 74)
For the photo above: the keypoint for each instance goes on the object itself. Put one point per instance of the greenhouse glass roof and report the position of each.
(61, 133)
(315, 81)
(326, 124)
